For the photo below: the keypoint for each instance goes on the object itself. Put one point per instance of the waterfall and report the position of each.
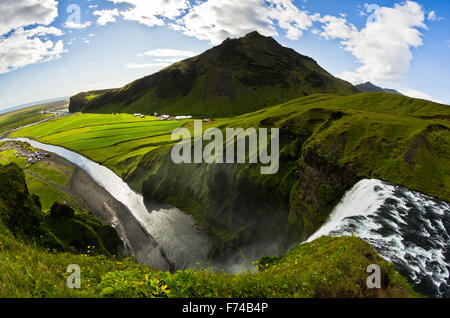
(172, 229)
(407, 228)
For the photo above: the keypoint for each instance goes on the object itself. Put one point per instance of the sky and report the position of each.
(52, 48)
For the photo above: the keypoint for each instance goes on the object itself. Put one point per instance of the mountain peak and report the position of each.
(254, 39)
(235, 77)
(368, 87)
(253, 34)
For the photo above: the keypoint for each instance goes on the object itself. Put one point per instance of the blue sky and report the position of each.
(49, 48)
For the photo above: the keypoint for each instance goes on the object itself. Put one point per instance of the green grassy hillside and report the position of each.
(239, 76)
(21, 215)
(117, 141)
(328, 143)
(36, 250)
(48, 179)
(24, 117)
(328, 267)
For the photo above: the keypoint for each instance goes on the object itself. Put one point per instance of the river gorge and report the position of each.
(407, 228)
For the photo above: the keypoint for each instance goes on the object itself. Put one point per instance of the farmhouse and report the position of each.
(164, 117)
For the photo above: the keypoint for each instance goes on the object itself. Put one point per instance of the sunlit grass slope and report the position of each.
(328, 267)
(327, 144)
(20, 118)
(117, 141)
(47, 179)
(36, 250)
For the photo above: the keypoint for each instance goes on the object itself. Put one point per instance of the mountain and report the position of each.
(236, 77)
(368, 87)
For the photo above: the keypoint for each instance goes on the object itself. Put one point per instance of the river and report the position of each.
(174, 231)
(407, 228)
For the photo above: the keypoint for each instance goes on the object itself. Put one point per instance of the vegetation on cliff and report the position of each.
(328, 267)
(62, 229)
(328, 143)
(36, 249)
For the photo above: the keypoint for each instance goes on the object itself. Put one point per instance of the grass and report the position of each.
(328, 267)
(22, 220)
(118, 141)
(47, 179)
(56, 173)
(47, 193)
(36, 250)
(26, 116)
(328, 143)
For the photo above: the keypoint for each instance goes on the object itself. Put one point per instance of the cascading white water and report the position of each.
(174, 231)
(407, 228)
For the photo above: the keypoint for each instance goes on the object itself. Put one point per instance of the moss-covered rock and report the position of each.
(59, 210)
(62, 229)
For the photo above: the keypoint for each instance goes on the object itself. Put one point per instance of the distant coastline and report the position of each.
(41, 102)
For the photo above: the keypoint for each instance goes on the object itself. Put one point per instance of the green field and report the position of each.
(47, 179)
(26, 116)
(117, 141)
(392, 138)
(48, 194)
(396, 122)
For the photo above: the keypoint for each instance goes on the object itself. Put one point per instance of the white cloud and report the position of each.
(161, 58)
(168, 53)
(24, 47)
(20, 13)
(383, 46)
(74, 25)
(418, 94)
(433, 17)
(336, 28)
(106, 16)
(215, 20)
(151, 13)
(290, 18)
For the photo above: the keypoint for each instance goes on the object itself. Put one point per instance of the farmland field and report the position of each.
(116, 141)
(47, 179)
(27, 116)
